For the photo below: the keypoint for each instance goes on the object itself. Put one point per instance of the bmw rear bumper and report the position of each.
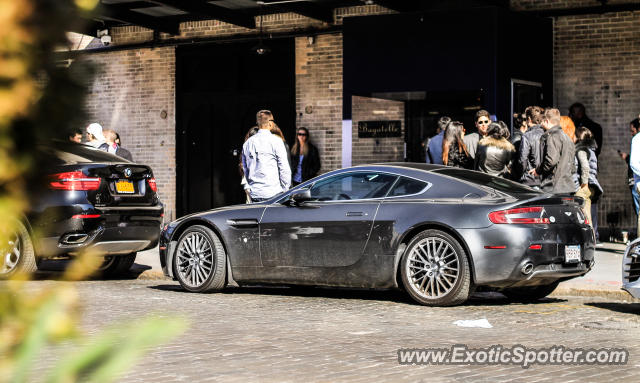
(114, 233)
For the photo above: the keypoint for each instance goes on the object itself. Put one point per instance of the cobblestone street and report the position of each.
(298, 334)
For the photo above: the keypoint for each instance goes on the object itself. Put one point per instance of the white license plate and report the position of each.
(572, 253)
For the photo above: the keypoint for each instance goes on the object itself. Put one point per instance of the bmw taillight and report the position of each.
(153, 185)
(520, 215)
(73, 181)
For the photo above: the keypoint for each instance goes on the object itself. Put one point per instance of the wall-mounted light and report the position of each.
(311, 39)
(103, 35)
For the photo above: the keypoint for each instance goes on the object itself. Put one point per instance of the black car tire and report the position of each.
(529, 293)
(428, 272)
(25, 261)
(190, 265)
(117, 265)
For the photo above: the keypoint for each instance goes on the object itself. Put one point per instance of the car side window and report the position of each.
(407, 186)
(363, 185)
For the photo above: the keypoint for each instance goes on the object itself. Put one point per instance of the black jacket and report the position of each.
(530, 155)
(558, 162)
(310, 163)
(458, 158)
(124, 153)
(494, 156)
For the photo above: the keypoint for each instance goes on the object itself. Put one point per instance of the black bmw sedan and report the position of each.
(85, 200)
(437, 232)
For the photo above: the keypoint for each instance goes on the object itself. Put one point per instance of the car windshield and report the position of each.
(497, 183)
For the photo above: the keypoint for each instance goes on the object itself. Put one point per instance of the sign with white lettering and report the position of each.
(377, 129)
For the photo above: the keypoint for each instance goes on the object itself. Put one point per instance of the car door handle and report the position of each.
(355, 214)
(242, 222)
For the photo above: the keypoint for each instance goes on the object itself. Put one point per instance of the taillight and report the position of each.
(73, 181)
(519, 215)
(152, 184)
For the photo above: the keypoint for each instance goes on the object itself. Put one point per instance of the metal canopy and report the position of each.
(166, 15)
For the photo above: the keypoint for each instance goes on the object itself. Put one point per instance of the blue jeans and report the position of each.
(636, 197)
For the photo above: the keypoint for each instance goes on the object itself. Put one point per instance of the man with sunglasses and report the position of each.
(265, 162)
(482, 124)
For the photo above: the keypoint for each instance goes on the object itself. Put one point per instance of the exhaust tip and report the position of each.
(527, 269)
(74, 239)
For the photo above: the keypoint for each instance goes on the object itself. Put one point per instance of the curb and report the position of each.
(619, 295)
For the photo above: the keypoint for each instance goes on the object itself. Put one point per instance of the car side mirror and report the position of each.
(300, 196)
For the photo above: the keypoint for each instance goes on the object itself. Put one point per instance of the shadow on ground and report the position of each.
(54, 270)
(398, 296)
(625, 308)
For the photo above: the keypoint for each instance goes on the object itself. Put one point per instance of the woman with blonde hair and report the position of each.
(454, 151)
(305, 159)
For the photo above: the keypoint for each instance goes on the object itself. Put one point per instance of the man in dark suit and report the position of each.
(110, 136)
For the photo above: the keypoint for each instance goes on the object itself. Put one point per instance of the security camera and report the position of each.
(103, 34)
(106, 40)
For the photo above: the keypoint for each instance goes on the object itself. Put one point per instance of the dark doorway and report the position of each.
(219, 89)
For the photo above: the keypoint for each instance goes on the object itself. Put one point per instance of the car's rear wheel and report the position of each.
(116, 265)
(435, 269)
(529, 293)
(200, 260)
(17, 252)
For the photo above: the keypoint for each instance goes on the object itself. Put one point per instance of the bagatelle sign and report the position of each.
(375, 129)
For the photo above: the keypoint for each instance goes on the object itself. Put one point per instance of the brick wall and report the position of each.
(595, 63)
(129, 95)
(372, 150)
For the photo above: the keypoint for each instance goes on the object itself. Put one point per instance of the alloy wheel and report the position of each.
(195, 259)
(433, 267)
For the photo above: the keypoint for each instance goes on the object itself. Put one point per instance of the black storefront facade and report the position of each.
(451, 63)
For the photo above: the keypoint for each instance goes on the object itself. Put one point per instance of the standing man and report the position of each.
(634, 163)
(114, 148)
(558, 157)
(482, 124)
(95, 137)
(264, 161)
(75, 135)
(530, 151)
(579, 116)
(434, 144)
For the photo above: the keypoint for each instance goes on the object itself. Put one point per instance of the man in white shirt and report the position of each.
(634, 163)
(264, 160)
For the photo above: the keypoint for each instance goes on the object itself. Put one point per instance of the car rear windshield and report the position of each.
(497, 183)
(69, 153)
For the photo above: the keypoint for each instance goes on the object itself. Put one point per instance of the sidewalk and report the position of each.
(604, 280)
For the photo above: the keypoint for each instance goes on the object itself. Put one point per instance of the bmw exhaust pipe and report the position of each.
(527, 268)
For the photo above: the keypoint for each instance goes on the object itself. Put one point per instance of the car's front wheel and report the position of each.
(435, 270)
(200, 260)
(529, 293)
(17, 252)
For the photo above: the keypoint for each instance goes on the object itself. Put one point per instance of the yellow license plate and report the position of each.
(124, 187)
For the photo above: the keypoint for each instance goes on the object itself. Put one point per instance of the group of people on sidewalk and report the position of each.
(547, 151)
(106, 140)
(268, 166)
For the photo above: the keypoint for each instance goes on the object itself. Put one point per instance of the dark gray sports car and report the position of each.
(438, 232)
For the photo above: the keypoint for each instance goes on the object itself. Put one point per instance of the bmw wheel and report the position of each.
(435, 270)
(200, 260)
(17, 253)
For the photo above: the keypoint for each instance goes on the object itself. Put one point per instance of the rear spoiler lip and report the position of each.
(553, 199)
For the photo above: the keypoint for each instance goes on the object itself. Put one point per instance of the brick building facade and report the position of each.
(593, 64)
